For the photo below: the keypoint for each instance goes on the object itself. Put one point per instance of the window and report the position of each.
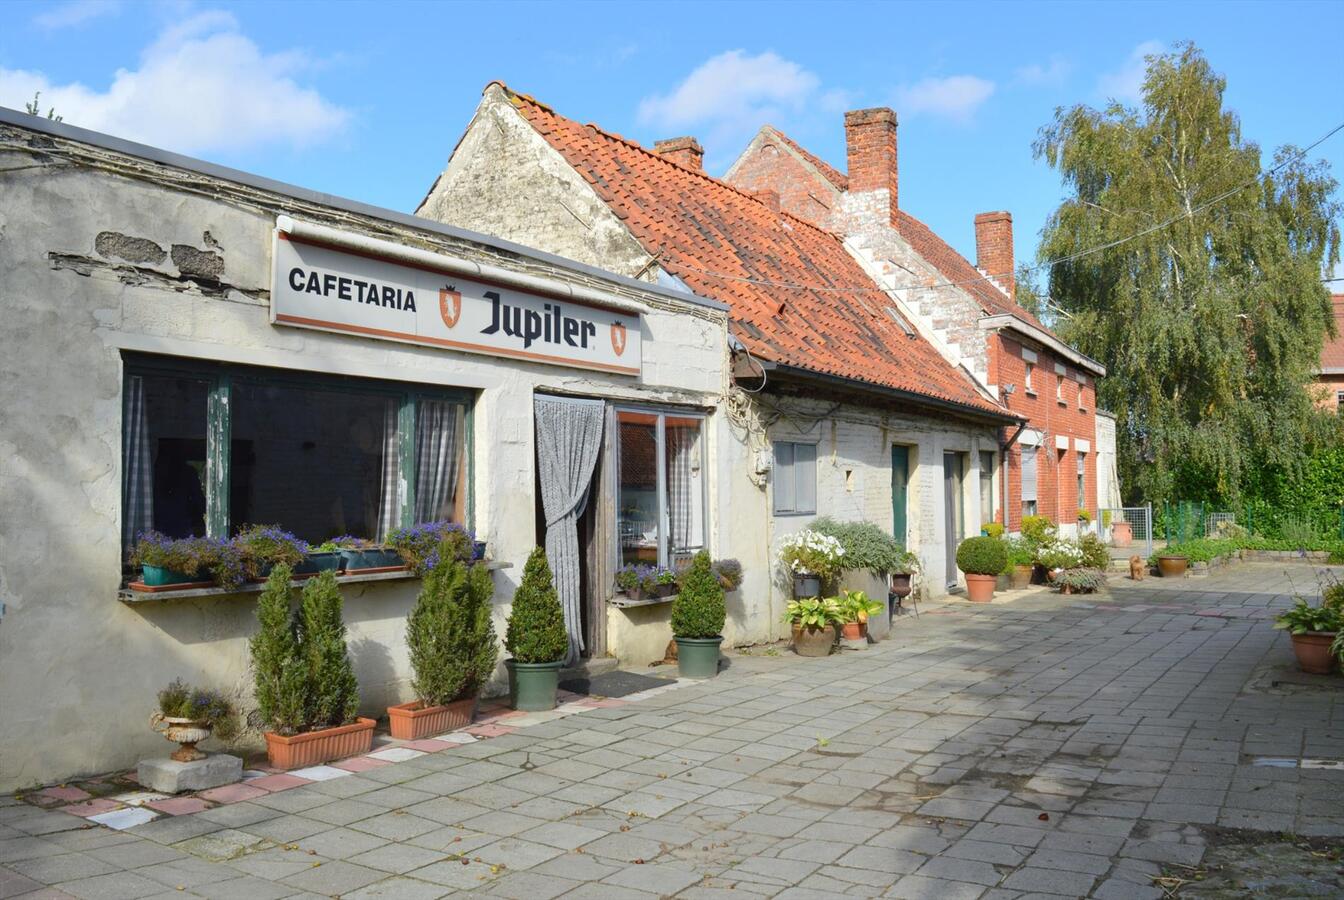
(1026, 381)
(1082, 396)
(1028, 481)
(795, 478)
(1082, 479)
(986, 486)
(1059, 389)
(210, 448)
(660, 487)
(1339, 398)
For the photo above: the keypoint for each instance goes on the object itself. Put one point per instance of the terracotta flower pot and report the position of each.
(1122, 533)
(1313, 652)
(187, 733)
(412, 721)
(312, 748)
(813, 641)
(1172, 566)
(853, 631)
(980, 588)
(1020, 577)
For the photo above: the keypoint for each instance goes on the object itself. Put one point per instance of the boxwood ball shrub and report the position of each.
(536, 632)
(982, 556)
(699, 611)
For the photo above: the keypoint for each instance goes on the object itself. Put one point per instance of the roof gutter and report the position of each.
(1011, 322)
(1004, 418)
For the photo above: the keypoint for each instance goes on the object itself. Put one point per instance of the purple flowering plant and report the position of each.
(633, 577)
(421, 546)
(214, 558)
(264, 546)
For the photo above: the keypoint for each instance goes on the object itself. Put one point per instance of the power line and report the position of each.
(1050, 263)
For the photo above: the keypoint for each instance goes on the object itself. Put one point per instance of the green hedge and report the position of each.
(1206, 549)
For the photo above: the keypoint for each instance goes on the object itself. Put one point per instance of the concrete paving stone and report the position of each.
(340, 843)
(292, 801)
(1016, 835)
(395, 825)
(807, 850)
(453, 874)
(1070, 861)
(396, 858)
(921, 887)
(244, 887)
(882, 859)
(238, 815)
(606, 892)
(501, 823)
(64, 867)
(623, 848)
(171, 829)
(12, 884)
(954, 869)
(986, 852)
(334, 878)
(563, 835)
(113, 886)
(580, 867)
(401, 888)
(775, 826)
(286, 829)
(530, 886)
(969, 810)
(27, 847)
(445, 810)
(343, 812)
(273, 864)
(395, 796)
(1055, 881)
(1163, 852)
(134, 854)
(663, 879)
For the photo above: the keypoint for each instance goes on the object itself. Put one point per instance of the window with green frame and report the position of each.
(208, 448)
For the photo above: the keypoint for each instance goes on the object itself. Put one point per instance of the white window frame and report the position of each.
(664, 549)
(776, 474)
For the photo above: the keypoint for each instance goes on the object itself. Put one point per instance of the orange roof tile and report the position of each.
(1332, 354)
(721, 241)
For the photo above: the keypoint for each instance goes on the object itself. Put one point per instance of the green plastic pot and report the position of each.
(532, 686)
(157, 576)
(698, 657)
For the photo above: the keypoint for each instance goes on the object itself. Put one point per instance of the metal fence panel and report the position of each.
(1140, 519)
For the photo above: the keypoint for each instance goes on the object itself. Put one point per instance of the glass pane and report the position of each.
(986, 486)
(313, 461)
(440, 469)
(163, 464)
(685, 488)
(805, 476)
(784, 478)
(637, 489)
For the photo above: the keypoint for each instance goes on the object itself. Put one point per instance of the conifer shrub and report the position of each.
(280, 678)
(333, 689)
(536, 632)
(699, 611)
(464, 649)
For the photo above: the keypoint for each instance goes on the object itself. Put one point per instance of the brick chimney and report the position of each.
(769, 197)
(994, 248)
(870, 143)
(684, 151)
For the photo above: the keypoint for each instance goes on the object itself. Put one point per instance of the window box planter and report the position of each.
(312, 748)
(1313, 653)
(379, 559)
(664, 591)
(1173, 566)
(813, 640)
(412, 721)
(532, 686)
(698, 657)
(324, 561)
(157, 576)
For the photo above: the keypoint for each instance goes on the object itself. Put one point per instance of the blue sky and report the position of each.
(365, 100)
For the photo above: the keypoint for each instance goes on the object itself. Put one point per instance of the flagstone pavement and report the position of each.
(1050, 746)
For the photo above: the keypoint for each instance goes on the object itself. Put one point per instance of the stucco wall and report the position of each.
(186, 273)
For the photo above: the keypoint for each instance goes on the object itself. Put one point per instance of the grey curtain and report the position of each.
(436, 459)
(569, 437)
(137, 487)
(389, 502)
(680, 441)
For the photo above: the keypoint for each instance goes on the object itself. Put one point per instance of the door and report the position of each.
(900, 489)
(952, 511)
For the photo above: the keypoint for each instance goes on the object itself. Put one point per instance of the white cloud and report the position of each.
(1051, 73)
(74, 13)
(200, 86)
(1126, 83)
(732, 86)
(956, 97)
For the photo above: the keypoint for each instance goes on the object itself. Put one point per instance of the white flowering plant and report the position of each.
(809, 552)
(1060, 553)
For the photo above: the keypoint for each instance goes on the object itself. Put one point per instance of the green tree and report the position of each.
(699, 611)
(1206, 304)
(536, 632)
(280, 678)
(333, 689)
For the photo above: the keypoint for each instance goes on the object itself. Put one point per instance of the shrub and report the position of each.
(992, 529)
(1038, 529)
(470, 634)
(867, 546)
(334, 692)
(536, 632)
(1019, 552)
(1083, 579)
(1332, 596)
(698, 611)
(439, 674)
(1199, 550)
(281, 682)
(422, 545)
(1299, 534)
(729, 572)
(982, 556)
(1060, 553)
(1095, 554)
(1303, 617)
(810, 552)
(263, 546)
(814, 612)
(1084, 516)
(181, 701)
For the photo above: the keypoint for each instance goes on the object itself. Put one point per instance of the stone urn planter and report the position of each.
(185, 732)
(1122, 533)
(698, 657)
(1173, 566)
(413, 721)
(813, 641)
(532, 686)
(980, 588)
(1313, 652)
(312, 748)
(900, 585)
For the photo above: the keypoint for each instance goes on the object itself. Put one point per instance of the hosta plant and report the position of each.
(814, 612)
(857, 606)
(1303, 618)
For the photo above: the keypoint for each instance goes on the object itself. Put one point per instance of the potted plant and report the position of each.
(981, 559)
(698, 615)
(1059, 554)
(664, 581)
(1172, 565)
(1020, 562)
(1084, 517)
(1315, 634)
(907, 565)
(325, 557)
(536, 638)
(812, 559)
(306, 690)
(1080, 580)
(447, 662)
(729, 572)
(420, 545)
(165, 561)
(636, 580)
(263, 547)
(188, 715)
(814, 621)
(857, 607)
(361, 554)
(992, 529)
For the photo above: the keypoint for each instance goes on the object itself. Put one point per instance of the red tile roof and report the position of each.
(1332, 354)
(722, 241)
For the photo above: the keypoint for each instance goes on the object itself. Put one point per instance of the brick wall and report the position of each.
(768, 165)
(994, 247)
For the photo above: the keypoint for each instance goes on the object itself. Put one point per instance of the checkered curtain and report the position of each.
(389, 504)
(681, 441)
(436, 459)
(137, 487)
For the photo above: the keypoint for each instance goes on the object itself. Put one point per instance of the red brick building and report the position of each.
(967, 311)
(1331, 376)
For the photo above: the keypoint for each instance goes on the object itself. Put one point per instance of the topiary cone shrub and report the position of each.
(306, 689)
(452, 647)
(698, 615)
(536, 637)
